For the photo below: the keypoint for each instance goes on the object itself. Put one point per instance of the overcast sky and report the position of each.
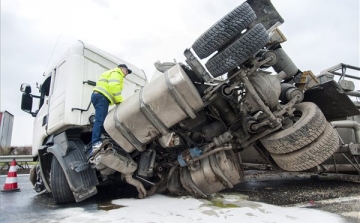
(320, 33)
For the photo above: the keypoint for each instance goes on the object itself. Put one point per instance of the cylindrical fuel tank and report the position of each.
(162, 103)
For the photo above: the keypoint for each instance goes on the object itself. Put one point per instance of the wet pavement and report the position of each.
(306, 191)
(326, 194)
(29, 206)
(289, 189)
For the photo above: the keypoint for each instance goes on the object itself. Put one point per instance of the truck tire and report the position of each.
(223, 31)
(311, 155)
(239, 51)
(309, 127)
(59, 185)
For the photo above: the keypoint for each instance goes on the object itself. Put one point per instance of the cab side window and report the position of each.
(44, 91)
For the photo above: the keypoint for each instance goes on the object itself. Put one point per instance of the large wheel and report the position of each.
(239, 51)
(309, 126)
(59, 185)
(311, 155)
(226, 29)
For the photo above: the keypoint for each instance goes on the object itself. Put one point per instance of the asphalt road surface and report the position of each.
(327, 194)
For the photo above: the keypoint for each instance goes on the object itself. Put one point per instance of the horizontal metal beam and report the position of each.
(345, 75)
(18, 158)
(342, 67)
(353, 93)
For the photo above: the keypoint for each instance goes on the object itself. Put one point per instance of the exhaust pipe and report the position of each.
(139, 186)
(108, 157)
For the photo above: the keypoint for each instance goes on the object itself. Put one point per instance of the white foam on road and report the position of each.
(226, 208)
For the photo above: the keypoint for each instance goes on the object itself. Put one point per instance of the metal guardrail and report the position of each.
(18, 158)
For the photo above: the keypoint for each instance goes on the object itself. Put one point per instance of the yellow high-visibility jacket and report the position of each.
(110, 84)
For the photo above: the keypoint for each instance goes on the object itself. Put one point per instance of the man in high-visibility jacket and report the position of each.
(106, 92)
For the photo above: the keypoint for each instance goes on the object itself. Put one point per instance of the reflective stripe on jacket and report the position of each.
(110, 84)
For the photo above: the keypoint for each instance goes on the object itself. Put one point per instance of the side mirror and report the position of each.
(26, 102)
(26, 88)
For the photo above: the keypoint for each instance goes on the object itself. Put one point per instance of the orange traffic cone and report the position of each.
(11, 180)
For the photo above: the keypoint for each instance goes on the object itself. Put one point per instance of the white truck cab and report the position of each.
(66, 90)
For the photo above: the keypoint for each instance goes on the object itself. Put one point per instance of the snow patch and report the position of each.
(222, 208)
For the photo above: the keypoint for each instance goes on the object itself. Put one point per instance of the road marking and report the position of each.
(352, 214)
(328, 201)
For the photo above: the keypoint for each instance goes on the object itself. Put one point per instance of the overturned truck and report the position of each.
(193, 129)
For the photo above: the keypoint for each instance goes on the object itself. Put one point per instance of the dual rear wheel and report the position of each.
(235, 39)
(306, 144)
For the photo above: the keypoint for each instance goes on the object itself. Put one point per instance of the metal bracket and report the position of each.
(91, 83)
(354, 149)
(80, 109)
(196, 66)
(79, 166)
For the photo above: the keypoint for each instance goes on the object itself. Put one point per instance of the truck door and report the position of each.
(56, 109)
(41, 120)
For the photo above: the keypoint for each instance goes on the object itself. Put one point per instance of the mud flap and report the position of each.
(332, 100)
(80, 177)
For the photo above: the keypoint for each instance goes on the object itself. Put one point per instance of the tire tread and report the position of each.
(302, 133)
(311, 155)
(239, 51)
(222, 32)
(60, 188)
